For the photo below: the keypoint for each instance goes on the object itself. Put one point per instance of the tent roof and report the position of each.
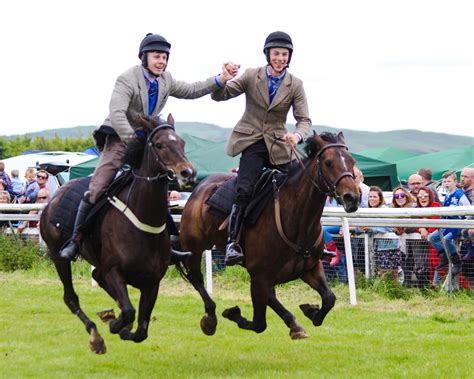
(387, 154)
(439, 162)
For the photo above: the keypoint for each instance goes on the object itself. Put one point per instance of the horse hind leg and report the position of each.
(296, 330)
(63, 267)
(148, 296)
(317, 280)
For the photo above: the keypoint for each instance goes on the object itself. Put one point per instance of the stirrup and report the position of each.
(233, 254)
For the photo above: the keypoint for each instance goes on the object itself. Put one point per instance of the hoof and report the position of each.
(97, 343)
(309, 310)
(298, 333)
(209, 325)
(232, 313)
(107, 316)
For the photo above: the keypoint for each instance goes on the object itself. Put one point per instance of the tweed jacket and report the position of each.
(130, 97)
(262, 119)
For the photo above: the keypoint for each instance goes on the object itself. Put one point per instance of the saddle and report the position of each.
(221, 200)
(65, 214)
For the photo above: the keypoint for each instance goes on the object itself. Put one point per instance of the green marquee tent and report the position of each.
(439, 162)
(387, 154)
(209, 157)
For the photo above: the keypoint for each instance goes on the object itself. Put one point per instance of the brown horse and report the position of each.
(131, 245)
(280, 246)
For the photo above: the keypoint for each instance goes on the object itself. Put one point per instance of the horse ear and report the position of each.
(170, 119)
(144, 122)
(340, 137)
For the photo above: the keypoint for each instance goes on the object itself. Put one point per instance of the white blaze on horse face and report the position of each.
(344, 162)
(172, 137)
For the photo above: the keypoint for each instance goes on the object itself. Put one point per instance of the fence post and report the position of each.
(209, 271)
(349, 261)
(367, 256)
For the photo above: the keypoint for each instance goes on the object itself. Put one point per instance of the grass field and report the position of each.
(425, 336)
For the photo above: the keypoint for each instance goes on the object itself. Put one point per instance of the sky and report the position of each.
(371, 65)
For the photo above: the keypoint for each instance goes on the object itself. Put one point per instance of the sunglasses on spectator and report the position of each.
(422, 197)
(41, 177)
(399, 195)
(42, 197)
(415, 184)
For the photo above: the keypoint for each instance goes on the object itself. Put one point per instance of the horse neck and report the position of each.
(149, 200)
(307, 201)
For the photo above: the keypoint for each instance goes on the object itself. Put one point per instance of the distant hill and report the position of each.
(409, 139)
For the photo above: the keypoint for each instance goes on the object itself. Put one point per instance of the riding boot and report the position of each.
(457, 264)
(177, 255)
(331, 246)
(70, 250)
(233, 251)
(443, 258)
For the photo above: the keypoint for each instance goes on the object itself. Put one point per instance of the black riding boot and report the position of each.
(233, 251)
(70, 250)
(177, 255)
(443, 258)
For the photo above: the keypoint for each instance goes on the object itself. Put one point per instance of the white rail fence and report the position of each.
(389, 217)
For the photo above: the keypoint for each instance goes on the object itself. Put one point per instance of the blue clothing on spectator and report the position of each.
(17, 186)
(31, 192)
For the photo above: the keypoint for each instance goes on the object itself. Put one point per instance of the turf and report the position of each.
(379, 337)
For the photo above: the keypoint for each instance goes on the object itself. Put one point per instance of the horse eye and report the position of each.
(328, 163)
(158, 145)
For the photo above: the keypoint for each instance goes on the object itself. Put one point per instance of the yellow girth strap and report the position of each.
(117, 203)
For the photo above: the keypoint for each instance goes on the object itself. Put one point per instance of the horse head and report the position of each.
(334, 168)
(162, 155)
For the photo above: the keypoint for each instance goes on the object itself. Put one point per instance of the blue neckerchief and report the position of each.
(274, 83)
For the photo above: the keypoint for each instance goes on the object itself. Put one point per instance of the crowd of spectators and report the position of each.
(421, 254)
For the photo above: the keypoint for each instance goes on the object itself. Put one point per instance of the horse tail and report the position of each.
(183, 271)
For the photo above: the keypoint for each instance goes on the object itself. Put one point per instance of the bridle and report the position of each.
(166, 173)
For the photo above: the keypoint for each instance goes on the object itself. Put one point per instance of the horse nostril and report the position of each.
(187, 173)
(349, 198)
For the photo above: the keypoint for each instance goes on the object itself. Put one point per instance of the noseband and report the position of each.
(167, 173)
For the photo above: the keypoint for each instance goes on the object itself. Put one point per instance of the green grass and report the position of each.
(424, 336)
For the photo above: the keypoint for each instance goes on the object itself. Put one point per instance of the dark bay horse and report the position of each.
(274, 256)
(131, 245)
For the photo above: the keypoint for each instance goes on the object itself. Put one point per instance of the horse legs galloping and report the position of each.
(260, 291)
(148, 296)
(195, 277)
(296, 330)
(71, 299)
(117, 286)
(317, 280)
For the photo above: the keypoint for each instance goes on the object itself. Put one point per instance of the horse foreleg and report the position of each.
(260, 291)
(117, 286)
(148, 297)
(296, 330)
(317, 280)
(96, 342)
(195, 277)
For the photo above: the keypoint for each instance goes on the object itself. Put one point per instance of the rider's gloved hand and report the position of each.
(140, 134)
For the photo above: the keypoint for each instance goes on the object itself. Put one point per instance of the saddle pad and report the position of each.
(65, 214)
(220, 202)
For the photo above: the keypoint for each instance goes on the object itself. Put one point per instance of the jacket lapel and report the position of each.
(262, 85)
(142, 90)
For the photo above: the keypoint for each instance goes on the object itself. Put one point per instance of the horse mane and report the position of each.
(136, 147)
(134, 152)
(311, 148)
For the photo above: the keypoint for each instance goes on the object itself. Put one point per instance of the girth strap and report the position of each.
(305, 252)
(122, 207)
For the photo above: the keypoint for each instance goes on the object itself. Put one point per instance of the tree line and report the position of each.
(11, 147)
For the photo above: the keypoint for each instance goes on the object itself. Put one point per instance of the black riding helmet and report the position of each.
(278, 39)
(153, 42)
